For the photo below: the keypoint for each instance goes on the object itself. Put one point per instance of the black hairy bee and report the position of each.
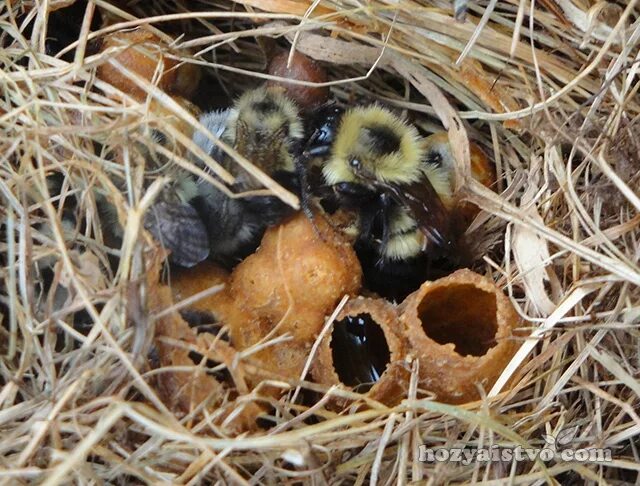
(319, 134)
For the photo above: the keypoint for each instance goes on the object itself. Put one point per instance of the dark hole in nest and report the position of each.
(213, 368)
(63, 28)
(463, 315)
(360, 351)
(203, 321)
(268, 419)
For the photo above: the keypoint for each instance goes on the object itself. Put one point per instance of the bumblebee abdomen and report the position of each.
(391, 278)
(402, 237)
(405, 244)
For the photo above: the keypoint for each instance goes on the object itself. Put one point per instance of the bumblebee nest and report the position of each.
(548, 91)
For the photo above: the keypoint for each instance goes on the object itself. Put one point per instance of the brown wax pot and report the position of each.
(302, 68)
(365, 351)
(183, 353)
(146, 55)
(461, 328)
(288, 286)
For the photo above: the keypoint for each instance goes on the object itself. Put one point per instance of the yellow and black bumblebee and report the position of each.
(263, 126)
(400, 187)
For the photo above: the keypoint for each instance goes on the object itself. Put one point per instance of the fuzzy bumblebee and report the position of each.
(263, 126)
(379, 165)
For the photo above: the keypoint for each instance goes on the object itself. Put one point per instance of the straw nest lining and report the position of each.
(549, 90)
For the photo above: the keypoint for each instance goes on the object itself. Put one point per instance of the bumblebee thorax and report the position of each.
(372, 142)
(268, 112)
(379, 140)
(263, 126)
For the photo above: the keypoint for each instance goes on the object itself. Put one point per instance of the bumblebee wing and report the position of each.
(426, 207)
(179, 228)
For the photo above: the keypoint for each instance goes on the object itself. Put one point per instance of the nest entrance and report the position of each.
(463, 315)
(360, 351)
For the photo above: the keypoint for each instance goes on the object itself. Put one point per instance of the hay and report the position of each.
(549, 89)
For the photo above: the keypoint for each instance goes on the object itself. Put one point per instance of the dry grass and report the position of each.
(548, 88)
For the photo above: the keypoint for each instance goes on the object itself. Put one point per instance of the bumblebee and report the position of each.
(264, 126)
(194, 219)
(380, 167)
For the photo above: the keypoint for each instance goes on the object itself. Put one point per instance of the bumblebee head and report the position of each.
(439, 157)
(373, 143)
(264, 123)
(439, 160)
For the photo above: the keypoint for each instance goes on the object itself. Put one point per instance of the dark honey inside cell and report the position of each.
(463, 315)
(359, 350)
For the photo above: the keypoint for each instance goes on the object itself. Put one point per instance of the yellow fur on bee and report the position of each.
(400, 166)
(284, 112)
